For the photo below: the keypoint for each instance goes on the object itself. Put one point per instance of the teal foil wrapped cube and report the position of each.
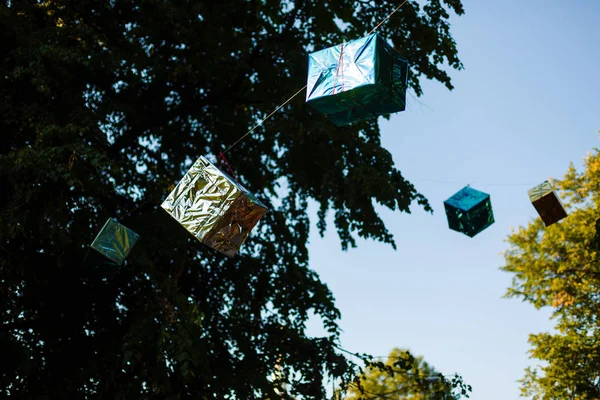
(115, 241)
(469, 211)
(357, 80)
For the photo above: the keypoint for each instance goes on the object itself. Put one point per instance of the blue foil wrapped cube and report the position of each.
(115, 241)
(469, 211)
(357, 80)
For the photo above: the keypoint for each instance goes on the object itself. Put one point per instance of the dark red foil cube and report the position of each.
(547, 203)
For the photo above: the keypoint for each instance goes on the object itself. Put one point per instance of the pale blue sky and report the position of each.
(527, 103)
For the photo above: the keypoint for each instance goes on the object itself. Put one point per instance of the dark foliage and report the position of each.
(103, 106)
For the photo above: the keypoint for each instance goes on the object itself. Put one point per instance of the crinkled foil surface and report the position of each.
(214, 208)
(540, 191)
(115, 241)
(357, 80)
(466, 198)
(357, 65)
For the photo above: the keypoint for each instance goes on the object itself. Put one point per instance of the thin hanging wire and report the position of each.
(299, 91)
(472, 183)
(388, 17)
(266, 118)
(120, 216)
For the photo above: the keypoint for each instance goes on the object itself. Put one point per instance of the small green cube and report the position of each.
(115, 241)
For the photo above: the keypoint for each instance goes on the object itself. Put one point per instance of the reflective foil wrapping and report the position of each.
(214, 208)
(115, 241)
(353, 81)
(469, 211)
(547, 203)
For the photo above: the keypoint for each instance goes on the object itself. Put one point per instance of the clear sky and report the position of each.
(527, 104)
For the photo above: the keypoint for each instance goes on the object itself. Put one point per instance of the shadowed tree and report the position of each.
(104, 106)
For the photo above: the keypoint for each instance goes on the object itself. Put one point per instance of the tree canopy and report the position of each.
(558, 267)
(405, 377)
(105, 104)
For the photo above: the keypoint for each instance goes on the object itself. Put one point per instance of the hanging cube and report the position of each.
(357, 80)
(217, 210)
(547, 203)
(115, 241)
(469, 211)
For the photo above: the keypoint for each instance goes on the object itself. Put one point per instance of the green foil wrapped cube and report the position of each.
(214, 208)
(115, 241)
(547, 203)
(358, 80)
(469, 211)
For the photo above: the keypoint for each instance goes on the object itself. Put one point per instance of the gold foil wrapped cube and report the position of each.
(214, 208)
(547, 203)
